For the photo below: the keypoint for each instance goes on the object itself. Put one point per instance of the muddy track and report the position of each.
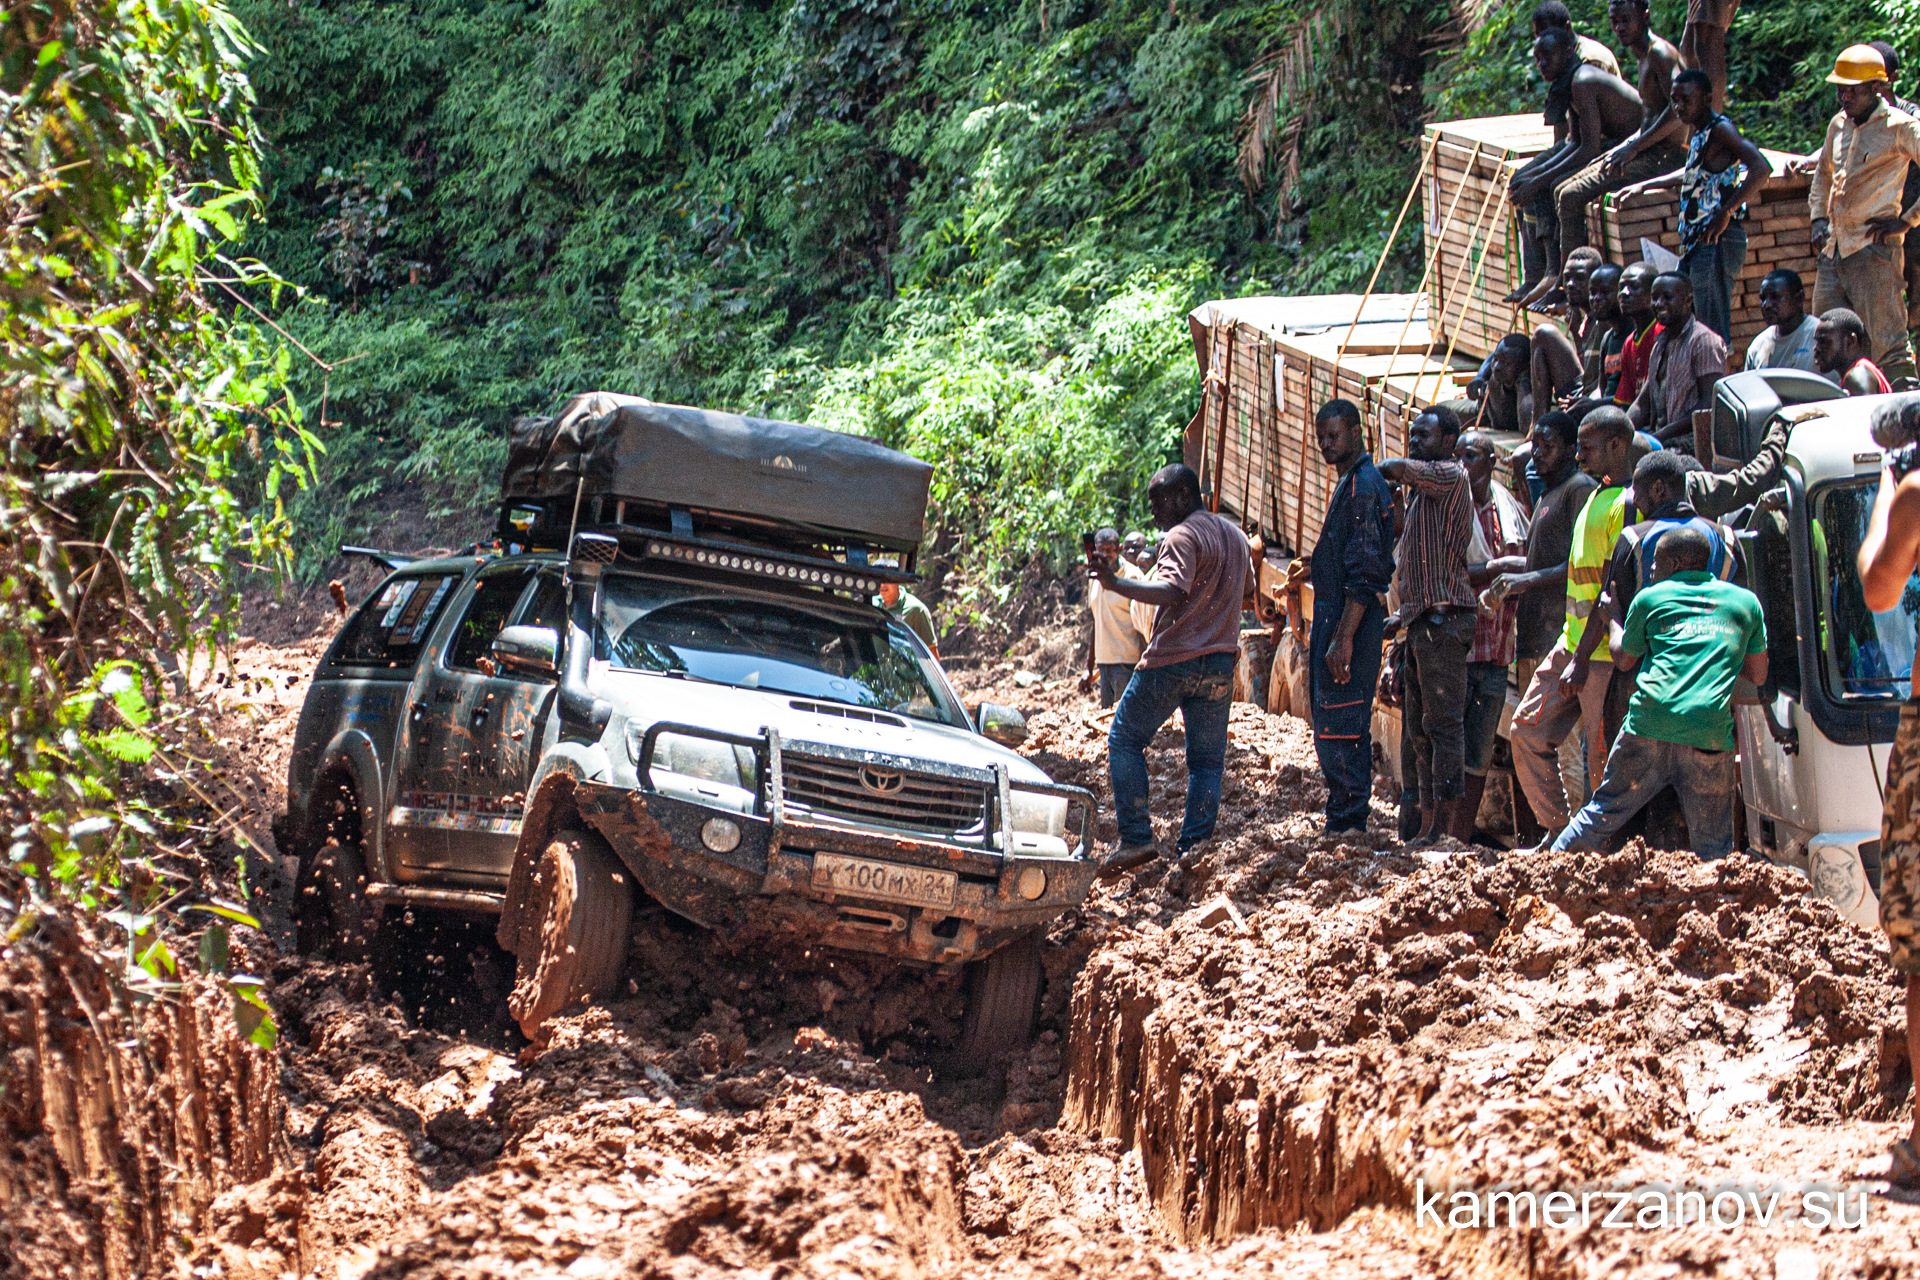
(1245, 1063)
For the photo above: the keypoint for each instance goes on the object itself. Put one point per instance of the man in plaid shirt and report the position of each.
(1500, 535)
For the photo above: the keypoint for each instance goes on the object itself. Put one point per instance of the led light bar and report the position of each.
(764, 566)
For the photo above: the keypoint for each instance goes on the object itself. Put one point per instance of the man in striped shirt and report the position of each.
(1437, 612)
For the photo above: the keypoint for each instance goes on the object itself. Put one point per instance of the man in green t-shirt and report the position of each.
(908, 608)
(1697, 635)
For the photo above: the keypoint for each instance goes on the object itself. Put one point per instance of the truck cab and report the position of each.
(1814, 741)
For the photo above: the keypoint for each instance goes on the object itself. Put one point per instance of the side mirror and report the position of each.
(527, 650)
(1001, 724)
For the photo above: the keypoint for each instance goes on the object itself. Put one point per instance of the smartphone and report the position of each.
(1086, 546)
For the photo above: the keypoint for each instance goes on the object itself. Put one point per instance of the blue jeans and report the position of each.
(1201, 689)
(1343, 713)
(1713, 268)
(1113, 681)
(1637, 768)
(1486, 699)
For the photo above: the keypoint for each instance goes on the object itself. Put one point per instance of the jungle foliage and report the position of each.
(150, 439)
(971, 229)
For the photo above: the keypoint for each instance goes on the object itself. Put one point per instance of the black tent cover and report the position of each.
(672, 455)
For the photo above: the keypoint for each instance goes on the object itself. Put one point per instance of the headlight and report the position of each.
(1044, 815)
(1039, 825)
(702, 758)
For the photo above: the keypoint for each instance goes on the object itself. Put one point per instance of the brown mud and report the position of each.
(1250, 1062)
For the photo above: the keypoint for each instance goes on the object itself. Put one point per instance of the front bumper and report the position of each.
(765, 884)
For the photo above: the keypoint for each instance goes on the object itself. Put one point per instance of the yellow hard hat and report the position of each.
(1858, 64)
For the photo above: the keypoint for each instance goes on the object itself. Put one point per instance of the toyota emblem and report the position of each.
(882, 782)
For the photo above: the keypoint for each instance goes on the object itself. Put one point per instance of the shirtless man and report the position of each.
(1602, 110)
(1653, 148)
(1506, 386)
(1555, 367)
(1662, 134)
(1703, 44)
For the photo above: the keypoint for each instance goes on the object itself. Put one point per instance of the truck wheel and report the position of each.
(332, 916)
(583, 906)
(1003, 1001)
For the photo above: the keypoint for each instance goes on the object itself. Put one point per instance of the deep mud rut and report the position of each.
(1247, 1063)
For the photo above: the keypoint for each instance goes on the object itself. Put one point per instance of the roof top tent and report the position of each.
(711, 483)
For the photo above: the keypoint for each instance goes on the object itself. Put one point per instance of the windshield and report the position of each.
(751, 643)
(1865, 656)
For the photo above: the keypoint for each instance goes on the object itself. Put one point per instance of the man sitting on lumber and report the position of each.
(1787, 341)
(1688, 358)
(1590, 111)
(1504, 387)
(1723, 170)
(1609, 334)
(1839, 352)
(1657, 147)
(1551, 13)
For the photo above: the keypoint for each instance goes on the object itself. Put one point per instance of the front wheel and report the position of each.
(582, 899)
(1003, 1002)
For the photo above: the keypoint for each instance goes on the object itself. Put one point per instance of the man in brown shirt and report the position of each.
(1200, 580)
(1688, 358)
(1438, 610)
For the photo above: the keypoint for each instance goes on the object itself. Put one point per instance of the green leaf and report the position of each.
(227, 910)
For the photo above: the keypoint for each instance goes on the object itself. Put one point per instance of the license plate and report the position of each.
(918, 886)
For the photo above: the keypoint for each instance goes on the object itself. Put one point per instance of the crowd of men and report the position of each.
(1603, 576)
(1654, 343)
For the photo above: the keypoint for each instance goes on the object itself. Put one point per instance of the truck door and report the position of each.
(458, 805)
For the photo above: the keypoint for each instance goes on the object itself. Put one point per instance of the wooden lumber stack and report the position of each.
(1253, 440)
(1779, 234)
(1473, 161)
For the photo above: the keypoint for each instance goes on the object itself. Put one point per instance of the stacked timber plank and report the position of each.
(1470, 231)
(1779, 234)
(1253, 440)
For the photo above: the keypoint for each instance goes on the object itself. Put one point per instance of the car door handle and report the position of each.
(479, 717)
(419, 712)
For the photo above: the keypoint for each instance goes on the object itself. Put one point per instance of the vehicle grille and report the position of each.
(938, 806)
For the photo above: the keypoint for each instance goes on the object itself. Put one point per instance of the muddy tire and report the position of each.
(581, 911)
(332, 914)
(1003, 1001)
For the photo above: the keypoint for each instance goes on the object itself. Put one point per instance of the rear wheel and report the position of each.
(332, 915)
(1003, 1002)
(582, 907)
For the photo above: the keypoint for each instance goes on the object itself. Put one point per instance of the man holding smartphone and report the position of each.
(1187, 665)
(1888, 557)
(1115, 645)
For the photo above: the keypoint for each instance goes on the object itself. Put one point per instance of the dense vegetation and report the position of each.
(971, 229)
(149, 440)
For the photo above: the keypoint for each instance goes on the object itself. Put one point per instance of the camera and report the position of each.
(1904, 460)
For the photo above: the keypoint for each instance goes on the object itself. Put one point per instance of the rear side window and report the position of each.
(487, 612)
(390, 628)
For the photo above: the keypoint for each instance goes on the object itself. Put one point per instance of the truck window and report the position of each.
(547, 606)
(492, 604)
(1865, 656)
(393, 624)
